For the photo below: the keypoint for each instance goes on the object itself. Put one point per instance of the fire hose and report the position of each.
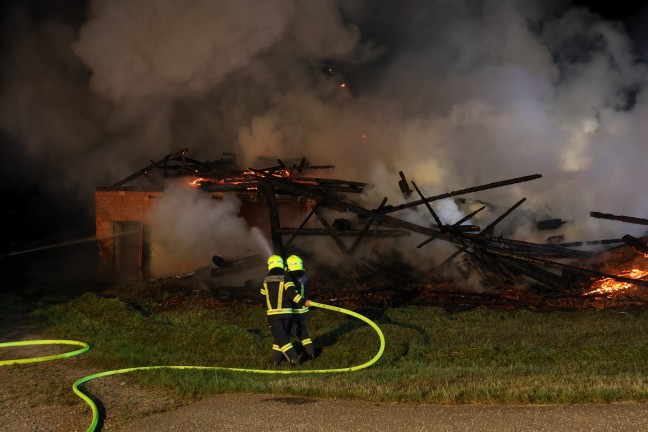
(85, 347)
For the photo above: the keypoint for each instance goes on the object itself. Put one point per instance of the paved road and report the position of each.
(268, 413)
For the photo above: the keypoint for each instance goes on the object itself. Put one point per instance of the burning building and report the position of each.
(132, 243)
(131, 246)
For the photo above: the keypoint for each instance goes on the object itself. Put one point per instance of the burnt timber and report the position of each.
(494, 257)
(627, 219)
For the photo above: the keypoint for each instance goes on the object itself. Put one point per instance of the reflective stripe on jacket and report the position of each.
(281, 295)
(301, 281)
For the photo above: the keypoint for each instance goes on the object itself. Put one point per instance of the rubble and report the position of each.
(516, 273)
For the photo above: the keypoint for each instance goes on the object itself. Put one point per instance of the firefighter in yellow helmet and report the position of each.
(296, 270)
(281, 298)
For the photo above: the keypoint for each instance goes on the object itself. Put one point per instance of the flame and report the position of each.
(610, 286)
(244, 177)
(282, 173)
(343, 85)
(198, 181)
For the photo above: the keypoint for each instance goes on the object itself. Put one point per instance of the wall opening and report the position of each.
(131, 250)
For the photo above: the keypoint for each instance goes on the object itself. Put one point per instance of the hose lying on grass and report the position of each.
(86, 347)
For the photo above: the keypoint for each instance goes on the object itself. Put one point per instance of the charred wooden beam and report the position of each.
(160, 164)
(331, 232)
(462, 228)
(468, 217)
(331, 184)
(455, 229)
(298, 230)
(303, 164)
(404, 187)
(454, 255)
(250, 184)
(569, 268)
(336, 203)
(240, 187)
(628, 219)
(538, 249)
(485, 232)
(489, 229)
(273, 213)
(590, 242)
(636, 243)
(550, 224)
(464, 240)
(464, 191)
(339, 204)
(345, 233)
(545, 277)
(430, 209)
(365, 230)
(486, 262)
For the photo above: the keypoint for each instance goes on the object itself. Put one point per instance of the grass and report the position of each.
(480, 356)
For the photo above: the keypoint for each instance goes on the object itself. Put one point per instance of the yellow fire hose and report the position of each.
(86, 347)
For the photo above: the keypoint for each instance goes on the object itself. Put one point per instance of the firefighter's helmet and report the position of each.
(275, 261)
(294, 263)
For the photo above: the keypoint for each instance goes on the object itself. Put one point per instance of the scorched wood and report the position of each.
(628, 219)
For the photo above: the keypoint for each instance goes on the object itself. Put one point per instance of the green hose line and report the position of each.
(85, 348)
(95, 410)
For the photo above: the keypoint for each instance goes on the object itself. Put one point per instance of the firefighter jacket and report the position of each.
(281, 294)
(301, 284)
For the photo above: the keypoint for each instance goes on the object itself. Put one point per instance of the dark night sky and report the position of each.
(31, 212)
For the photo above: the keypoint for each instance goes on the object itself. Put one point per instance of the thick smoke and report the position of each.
(194, 225)
(453, 93)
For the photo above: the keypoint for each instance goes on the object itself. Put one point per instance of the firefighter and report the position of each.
(281, 298)
(296, 270)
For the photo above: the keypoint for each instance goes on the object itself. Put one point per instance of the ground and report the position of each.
(38, 397)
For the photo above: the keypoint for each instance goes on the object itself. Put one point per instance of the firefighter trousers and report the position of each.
(280, 330)
(300, 329)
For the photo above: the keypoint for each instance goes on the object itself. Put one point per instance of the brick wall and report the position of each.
(118, 206)
(156, 259)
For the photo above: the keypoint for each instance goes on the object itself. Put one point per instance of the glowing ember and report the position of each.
(609, 285)
(282, 173)
(198, 181)
(247, 177)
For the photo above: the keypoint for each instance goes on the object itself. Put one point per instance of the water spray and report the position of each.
(261, 240)
(67, 243)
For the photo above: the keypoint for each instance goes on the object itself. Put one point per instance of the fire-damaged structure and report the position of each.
(128, 245)
(552, 268)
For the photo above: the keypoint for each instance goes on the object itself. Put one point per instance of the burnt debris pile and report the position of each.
(513, 273)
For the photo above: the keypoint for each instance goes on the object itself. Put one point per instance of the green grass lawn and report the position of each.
(485, 356)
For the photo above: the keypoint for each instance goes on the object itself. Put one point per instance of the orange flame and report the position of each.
(610, 286)
(245, 177)
(198, 181)
(282, 173)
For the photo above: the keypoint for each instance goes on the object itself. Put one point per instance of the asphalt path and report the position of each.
(270, 413)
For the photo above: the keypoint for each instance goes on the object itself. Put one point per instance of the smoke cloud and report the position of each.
(453, 93)
(195, 225)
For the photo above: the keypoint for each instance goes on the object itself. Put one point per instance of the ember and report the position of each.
(610, 286)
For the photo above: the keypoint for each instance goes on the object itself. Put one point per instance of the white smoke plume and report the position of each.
(454, 93)
(195, 225)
